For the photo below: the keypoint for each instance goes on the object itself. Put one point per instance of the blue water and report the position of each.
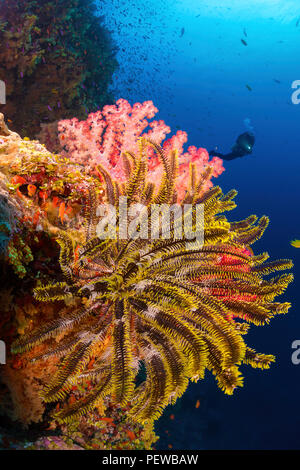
(197, 79)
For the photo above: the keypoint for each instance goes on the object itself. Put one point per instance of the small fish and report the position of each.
(298, 21)
(245, 32)
(295, 243)
(276, 81)
(107, 420)
(249, 87)
(244, 42)
(197, 404)
(182, 32)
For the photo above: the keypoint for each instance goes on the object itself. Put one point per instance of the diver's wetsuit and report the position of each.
(243, 146)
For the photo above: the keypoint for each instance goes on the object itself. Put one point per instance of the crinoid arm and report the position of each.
(177, 306)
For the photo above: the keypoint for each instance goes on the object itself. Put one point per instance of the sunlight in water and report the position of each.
(282, 10)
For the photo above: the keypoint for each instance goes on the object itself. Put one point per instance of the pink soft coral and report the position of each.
(105, 134)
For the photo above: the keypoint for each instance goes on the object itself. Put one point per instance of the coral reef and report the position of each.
(56, 58)
(105, 333)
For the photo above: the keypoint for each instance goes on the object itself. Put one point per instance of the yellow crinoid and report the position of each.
(168, 304)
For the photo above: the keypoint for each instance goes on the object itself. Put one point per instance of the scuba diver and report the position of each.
(243, 146)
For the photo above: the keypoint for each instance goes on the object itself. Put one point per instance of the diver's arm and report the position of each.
(212, 153)
(228, 156)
